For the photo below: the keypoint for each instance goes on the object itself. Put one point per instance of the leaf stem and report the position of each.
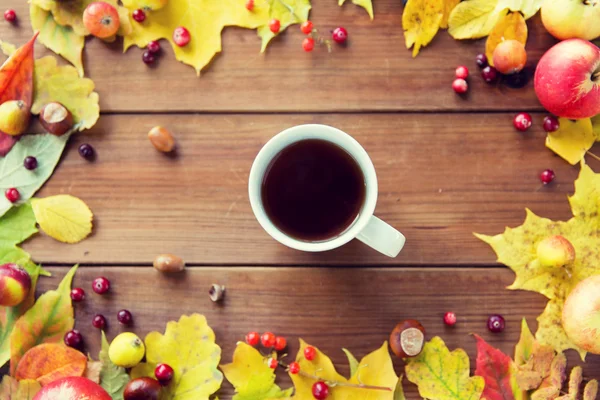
(593, 155)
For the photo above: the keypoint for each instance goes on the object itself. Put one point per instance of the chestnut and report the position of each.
(56, 119)
(142, 389)
(407, 339)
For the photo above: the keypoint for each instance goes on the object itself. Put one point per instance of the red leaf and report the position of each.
(495, 368)
(16, 83)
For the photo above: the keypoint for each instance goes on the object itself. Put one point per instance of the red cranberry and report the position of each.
(86, 151)
(294, 368)
(462, 72)
(124, 317)
(340, 35)
(164, 374)
(253, 338)
(268, 340)
(148, 57)
(153, 46)
(489, 74)
(551, 124)
(101, 285)
(522, 121)
(496, 323)
(460, 86)
(450, 318)
(310, 353)
(547, 176)
(99, 321)
(73, 339)
(30, 163)
(12, 195)
(481, 60)
(320, 390)
(77, 294)
(181, 36)
(10, 15)
(138, 15)
(280, 343)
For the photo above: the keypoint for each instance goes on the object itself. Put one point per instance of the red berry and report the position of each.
(462, 72)
(164, 374)
(12, 195)
(250, 5)
(274, 25)
(268, 340)
(280, 343)
(460, 86)
(340, 35)
(73, 339)
(306, 27)
(310, 353)
(124, 317)
(253, 338)
(496, 323)
(522, 121)
(294, 368)
(489, 74)
(153, 46)
(450, 318)
(148, 57)
(551, 124)
(308, 44)
(181, 36)
(320, 390)
(99, 321)
(77, 294)
(10, 15)
(101, 285)
(272, 363)
(481, 60)
(547, 176)
(138, 15)
(30, 163)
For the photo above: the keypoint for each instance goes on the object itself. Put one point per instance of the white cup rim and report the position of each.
(304, 132)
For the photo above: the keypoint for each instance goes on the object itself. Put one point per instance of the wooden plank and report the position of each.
(376, 72)
(441, 178)
(354, 308)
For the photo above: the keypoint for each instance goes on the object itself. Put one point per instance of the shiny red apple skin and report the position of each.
(581, 315)
(72, 388)
(567, 79)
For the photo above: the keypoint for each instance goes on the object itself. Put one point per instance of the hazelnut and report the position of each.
(142, 389)
(216, 292)
(56, 119)
(407, 339)
(169, 263)
(161, 139)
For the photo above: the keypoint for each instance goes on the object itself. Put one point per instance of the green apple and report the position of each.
(568, 19)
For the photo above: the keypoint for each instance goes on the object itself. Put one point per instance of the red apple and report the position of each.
(15, 284)
(72, 388)
(581, 315)
(567, 79)
(568, 19)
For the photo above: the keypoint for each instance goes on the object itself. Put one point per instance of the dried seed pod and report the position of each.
(407, 339)
(169, 263)
(161, 139)
(56, 119)
(216, 292)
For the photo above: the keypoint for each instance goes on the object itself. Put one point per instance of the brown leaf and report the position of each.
(537, 368)
(574, 383)
(550, 387)
(511, 26)
(591, 390)
(92, 372)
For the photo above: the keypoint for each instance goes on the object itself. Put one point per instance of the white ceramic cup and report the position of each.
(366, 227)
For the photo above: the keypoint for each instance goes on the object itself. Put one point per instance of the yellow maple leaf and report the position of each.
(63, 217)
(251, 376)
(572, 140)
(421, 21)
(443, 375)
(517, 248)
(205, 19)
(288, 12)
(25, 389)
(374, 369)
(189, 347)
(366, 4)
(510, 26)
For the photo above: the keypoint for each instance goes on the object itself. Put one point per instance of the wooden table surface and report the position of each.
(447, 167)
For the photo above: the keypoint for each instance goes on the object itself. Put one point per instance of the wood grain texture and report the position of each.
(354, 308)
(441, 178)
(374, 73)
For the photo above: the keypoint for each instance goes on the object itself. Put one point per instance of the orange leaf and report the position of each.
(16, 83)
(49, 362)
(511, 26)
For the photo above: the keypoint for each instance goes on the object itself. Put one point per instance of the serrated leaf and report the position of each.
(92, 371)
(526, 7)
(366, 4)
(17, 225)
(352, 361)
(189, 347)
(443, 375)
(421, 21)
(46, 322)
(575, 380)
(510, 26)
(572, 140)
(10, 389)
(63, 217)
(288, 12)
(496, 369)
(112, 378)
(550, 387)
(251, 376)
(70, 14)
(472, 19)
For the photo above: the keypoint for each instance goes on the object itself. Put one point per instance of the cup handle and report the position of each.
(382, 237)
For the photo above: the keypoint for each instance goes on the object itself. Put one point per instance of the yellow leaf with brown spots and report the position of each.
(517, 248)
(510, 26)
(421, 21)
